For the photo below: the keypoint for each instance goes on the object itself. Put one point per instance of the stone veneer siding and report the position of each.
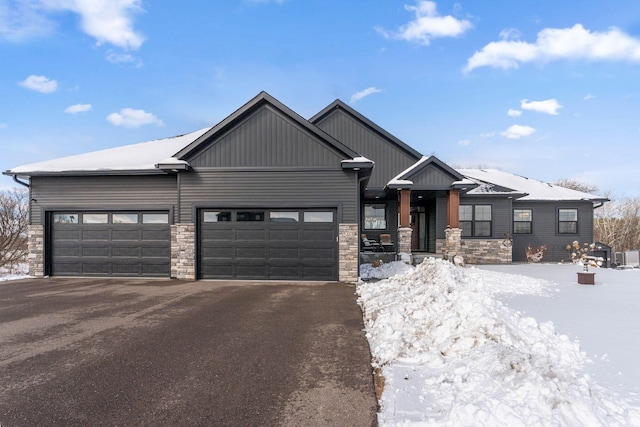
(348, 252)
(452, 242)
(490, 251)
(404, 240)
(183, 251)
(36, 250)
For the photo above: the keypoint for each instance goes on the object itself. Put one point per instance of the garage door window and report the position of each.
(284, 216)
(216, 216)
(155, 218)
(250, 216)
(95, 218)
(125, 218)
(65, 218)
(318, 216)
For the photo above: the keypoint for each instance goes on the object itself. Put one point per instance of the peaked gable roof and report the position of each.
(447, 177)
(338, 104)
(247, 109)
(496, 182)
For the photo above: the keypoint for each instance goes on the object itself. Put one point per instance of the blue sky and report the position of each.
(544, 89)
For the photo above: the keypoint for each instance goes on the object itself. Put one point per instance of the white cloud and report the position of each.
(427, 24)
(22, 20)
(108, 21)
(78, 108)
(549, 106)
(464, 142)
(588, 97)
(128, 117)
(40, 84)
(514, 113)
(554, 44)
(364, 93)
(517, 132)
(510, 34)
(487, 135)
(122, 58)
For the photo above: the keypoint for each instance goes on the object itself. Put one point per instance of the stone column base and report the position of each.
(36, 250)
(183, 251)
(348, 247)
(404, 244)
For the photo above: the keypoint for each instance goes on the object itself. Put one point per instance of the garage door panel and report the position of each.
(156, 252)
(156, 235)
(126, 235)
(96, 251)
(96, 235)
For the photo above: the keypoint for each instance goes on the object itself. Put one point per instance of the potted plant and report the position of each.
(580, 255)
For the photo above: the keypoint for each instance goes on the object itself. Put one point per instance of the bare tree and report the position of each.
(617, 224)
(577, 185)
(14, 219)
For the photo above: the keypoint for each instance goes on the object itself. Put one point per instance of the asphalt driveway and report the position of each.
(160, 352)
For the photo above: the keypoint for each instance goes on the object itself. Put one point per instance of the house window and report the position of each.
(250, 216)
(95, 218)
(567, 221)
(284, 216)
(317, 216)
(216, 216)
(155, 218)
(124, 218)
(475, 220)
(522, 219)
(65, 218)
(375, 217)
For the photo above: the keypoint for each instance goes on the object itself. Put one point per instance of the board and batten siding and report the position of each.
(390, 159)
(136, 192)
(432, 178)
(259, 188)
(266, 138)
(545, 229)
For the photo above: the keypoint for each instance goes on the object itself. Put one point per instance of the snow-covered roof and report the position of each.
(142, 156)
(493, 181)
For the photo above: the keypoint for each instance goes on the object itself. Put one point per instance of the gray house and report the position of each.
(267, 194)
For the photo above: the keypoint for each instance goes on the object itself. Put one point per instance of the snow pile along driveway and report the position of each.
(451, 354)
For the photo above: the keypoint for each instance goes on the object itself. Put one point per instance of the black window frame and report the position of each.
(575, 228)
(521, 222)
(364, 216)
(472, 227)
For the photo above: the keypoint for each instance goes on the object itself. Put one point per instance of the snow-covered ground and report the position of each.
(14, 272)
(505, 345)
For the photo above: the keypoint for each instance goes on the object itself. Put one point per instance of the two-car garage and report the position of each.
(276, 244)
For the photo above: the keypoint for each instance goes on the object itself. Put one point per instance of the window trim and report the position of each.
(529, 221)
(576, 222)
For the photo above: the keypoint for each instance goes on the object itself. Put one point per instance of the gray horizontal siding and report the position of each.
(266, 138)
(107, 192)
(267, 189)
(545, 229)
(389, 159)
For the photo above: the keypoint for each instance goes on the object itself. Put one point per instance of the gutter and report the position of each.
(15, 178)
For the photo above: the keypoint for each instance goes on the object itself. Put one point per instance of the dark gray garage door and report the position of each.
(268, 244)
(110, 244)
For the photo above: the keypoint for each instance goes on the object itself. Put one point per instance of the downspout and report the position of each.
(15, 178)
(360, 180)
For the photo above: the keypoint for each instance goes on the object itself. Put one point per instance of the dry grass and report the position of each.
(378, 382)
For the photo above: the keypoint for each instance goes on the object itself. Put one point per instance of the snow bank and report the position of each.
(451, 354)
(14, 272)
(384, 271)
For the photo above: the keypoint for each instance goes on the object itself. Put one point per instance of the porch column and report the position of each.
(405, 208)
(453, 208)
(405, 231)
(183, 251)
